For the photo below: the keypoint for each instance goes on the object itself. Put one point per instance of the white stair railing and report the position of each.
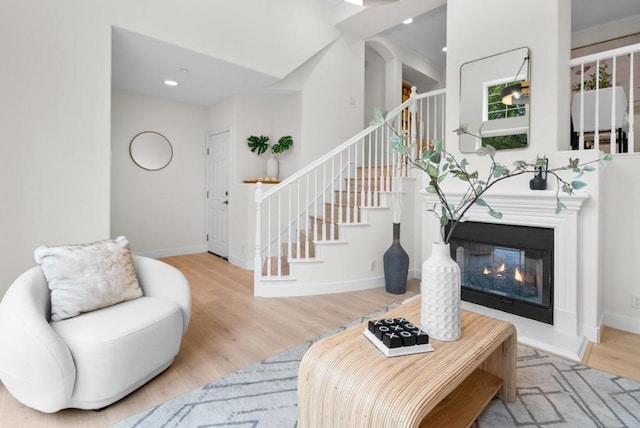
(308, 206)
(605, 113)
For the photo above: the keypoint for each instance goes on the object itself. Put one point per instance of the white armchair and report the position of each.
(94, 359)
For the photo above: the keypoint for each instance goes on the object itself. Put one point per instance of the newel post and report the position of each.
(257, 263)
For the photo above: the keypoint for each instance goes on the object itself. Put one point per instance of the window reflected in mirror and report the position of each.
(494, 101)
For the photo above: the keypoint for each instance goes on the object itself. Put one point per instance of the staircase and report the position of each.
(325, 228)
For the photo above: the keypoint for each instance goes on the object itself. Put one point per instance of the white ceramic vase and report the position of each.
(440, 289)
(272, 166)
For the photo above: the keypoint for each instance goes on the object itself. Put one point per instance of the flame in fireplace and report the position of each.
(502, 268)
(517, 275)
(486, 271)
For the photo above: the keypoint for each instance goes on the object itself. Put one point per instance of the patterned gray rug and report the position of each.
(552, 392)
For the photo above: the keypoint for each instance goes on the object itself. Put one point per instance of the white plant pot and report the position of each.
(272, 166)
(440, 289)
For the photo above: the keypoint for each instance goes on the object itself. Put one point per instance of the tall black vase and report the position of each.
(396, 265)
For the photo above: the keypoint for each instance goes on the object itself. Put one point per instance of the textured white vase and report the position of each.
(440, 289)
(272, 166)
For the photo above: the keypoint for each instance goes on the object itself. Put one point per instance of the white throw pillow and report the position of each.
(85, 277)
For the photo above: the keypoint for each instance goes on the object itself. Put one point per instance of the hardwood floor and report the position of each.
(230, 329)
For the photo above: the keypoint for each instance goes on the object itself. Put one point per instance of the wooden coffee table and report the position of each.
(345, 381)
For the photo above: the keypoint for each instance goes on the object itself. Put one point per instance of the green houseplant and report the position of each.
(260, 144)
(601, 81)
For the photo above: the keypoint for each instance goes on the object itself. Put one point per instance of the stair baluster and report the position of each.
(333, 192)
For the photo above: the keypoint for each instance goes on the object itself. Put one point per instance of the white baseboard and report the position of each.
(289, 288)
(154, 254)
(632, 325)
(241, 263)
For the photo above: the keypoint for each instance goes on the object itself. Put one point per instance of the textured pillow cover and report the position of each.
(85, 277)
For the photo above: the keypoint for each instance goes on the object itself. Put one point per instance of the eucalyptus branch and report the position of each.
(438, 164)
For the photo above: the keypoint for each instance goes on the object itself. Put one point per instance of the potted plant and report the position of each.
(597, 88)
(261, 144)
(440, 286)
(603, 80)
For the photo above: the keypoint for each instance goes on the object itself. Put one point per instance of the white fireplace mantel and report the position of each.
(537, 209)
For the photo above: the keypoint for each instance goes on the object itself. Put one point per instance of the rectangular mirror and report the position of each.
(494, 101)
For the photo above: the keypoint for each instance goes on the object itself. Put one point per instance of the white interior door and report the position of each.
(218, 194)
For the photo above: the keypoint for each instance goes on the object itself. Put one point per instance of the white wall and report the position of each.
(332, 99)
(285, 117)
(470, 38)
(374, 83)
(621, 233)
(620, 208)
(55, 121)
(314, 108)
(56, 93)
(161, 212)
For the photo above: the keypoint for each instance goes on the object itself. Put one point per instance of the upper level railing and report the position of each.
(308, 206)
(605, 85)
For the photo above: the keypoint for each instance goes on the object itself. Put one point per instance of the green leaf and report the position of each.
(378, 117)
(495, 214)
(482, 151)
(540, 161)
(395, 139)
(284, 143)
(588, 168)
(443, 221)
(432, 171)
(500, 170)
(464, 163)
(578, 184)
(481, 202)
(401, 148)
(431, 189)
(259, 144)
(559, 207)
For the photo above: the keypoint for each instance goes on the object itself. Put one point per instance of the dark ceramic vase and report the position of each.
(396, 265)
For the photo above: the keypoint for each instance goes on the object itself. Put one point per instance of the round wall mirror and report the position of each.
(150, 150)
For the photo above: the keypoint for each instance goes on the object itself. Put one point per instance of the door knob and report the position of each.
(226, 202)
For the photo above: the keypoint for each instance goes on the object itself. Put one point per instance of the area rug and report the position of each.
(551, 392)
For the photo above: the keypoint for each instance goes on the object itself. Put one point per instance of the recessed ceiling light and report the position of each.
(184, 70)
(356, 2)
(408, 21)
(444, 49)
(171, 83)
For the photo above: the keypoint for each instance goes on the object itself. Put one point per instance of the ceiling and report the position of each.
(141, 64)
(427, 34)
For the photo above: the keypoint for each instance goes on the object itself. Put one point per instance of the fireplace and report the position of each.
(506, 267)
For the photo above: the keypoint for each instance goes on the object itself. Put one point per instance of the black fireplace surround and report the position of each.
(506, 267)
